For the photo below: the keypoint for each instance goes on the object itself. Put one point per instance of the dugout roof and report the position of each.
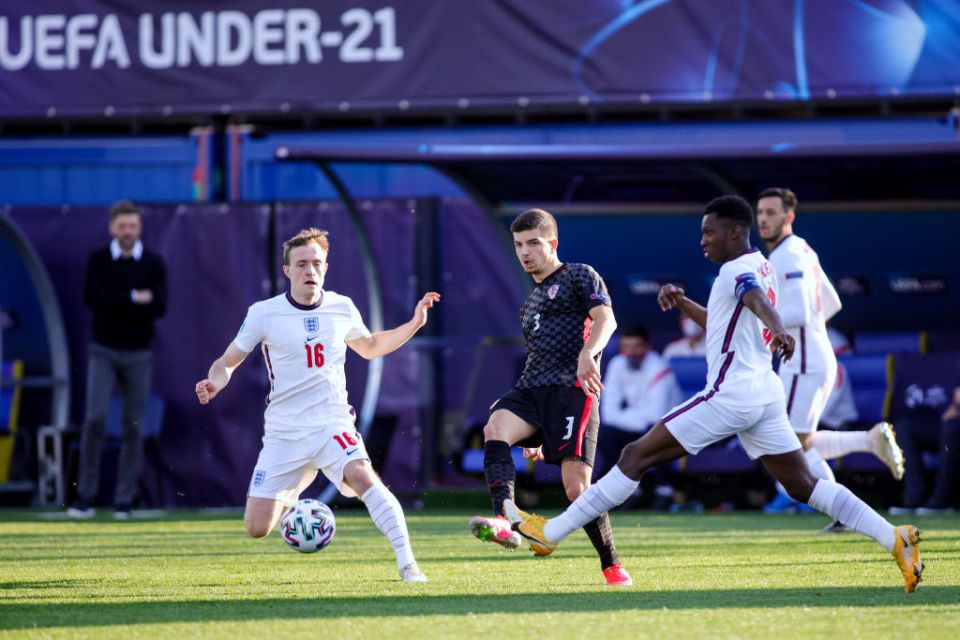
(871, 160)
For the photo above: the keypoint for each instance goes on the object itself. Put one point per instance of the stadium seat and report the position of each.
(150, 428)
(890, 342)
(11, 373)
(691, 374)
(871, 376)
(472, 460)
(727, 456)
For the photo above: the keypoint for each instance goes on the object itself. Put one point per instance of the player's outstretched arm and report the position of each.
(782, 342)
(673, 297)
(219, 374)
(383, 342)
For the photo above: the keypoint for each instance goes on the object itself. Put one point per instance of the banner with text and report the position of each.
(105, 58)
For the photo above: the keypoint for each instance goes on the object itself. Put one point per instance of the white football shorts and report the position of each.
(286, 467)
(763, 429)
(807, 395)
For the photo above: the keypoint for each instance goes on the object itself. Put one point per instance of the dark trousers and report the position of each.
(922, 433)
(130, 373)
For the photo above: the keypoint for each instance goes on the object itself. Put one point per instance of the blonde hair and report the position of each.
(305, 237)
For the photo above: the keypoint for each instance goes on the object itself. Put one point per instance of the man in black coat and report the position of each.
(126, 290)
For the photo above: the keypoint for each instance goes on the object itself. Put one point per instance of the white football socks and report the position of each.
(387, 514)
(839, 503)
(818, 466)
(833, 444)
(610, 491)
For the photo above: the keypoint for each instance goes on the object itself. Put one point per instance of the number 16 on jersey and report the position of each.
(314, 355)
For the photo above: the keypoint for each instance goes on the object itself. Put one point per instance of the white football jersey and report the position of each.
(739, 369)
(806, 300)
(304, 349)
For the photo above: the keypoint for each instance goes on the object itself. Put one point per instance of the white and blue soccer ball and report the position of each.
(308, 526)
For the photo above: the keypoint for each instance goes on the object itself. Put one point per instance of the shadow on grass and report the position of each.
(39, 615)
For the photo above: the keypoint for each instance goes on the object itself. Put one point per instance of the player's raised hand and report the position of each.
(670, 296)
(533, 453)
(783, 345)
(206, 390)
(426, 303)
(588, 373)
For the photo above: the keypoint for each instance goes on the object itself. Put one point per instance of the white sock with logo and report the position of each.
(610, 491)
(387, 514)
(839, 503)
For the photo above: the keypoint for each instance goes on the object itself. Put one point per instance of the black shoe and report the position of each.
(836, 527)
(82, 509)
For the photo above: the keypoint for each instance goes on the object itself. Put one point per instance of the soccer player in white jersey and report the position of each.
(806, 300)
(308, 424)
(743, 397)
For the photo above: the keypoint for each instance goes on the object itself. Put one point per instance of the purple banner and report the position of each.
(109, 58)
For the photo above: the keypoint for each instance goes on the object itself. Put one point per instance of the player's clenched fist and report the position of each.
(670, 296)
(783, 346)
(206, 391)
(533, 453)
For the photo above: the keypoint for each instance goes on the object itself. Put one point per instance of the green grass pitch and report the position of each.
(696, 576)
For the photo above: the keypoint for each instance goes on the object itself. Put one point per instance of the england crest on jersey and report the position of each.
(312, 325)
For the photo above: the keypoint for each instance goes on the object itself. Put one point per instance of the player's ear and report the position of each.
(554, 244)
(286, 270)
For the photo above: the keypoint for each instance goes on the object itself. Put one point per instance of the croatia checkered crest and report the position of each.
(308, 526)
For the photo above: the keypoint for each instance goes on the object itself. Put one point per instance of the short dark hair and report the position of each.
(535, 219)
(787, 197)
(123, 207)
(636, 331)
(732, 208)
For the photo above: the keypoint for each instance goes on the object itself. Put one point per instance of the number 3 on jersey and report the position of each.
(314, 355)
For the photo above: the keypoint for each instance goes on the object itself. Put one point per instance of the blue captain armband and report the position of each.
(793, 274)
(746, 282)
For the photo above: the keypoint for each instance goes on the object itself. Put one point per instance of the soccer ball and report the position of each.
(308, 526)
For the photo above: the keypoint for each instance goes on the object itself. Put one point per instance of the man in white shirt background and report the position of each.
(691, 344)
(805, 301)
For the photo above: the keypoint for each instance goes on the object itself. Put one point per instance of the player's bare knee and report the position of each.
(574, 489)
(359, 476)
(493, 430)
(257, 528)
